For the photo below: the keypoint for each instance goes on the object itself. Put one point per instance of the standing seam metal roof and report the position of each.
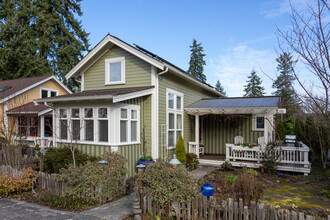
(241, 102)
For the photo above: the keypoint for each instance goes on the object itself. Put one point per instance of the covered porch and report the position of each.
(238, 130)
(33, 124)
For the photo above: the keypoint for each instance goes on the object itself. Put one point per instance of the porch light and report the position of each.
(174, 162)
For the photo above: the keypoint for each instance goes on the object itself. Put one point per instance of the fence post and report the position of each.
(253, 210)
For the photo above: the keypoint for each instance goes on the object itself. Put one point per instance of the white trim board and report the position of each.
(118, 43)
(35, 85)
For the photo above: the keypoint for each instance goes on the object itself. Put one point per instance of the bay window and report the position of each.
(174, 117)
(103, 124)
(63, 116)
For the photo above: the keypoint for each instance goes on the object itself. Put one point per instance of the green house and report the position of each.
(134, 102)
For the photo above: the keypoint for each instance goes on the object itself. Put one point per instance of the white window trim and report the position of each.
(67, 125)
(175, 111)
(107, 70)
(48, 91)
(254, 122)
(80, 124)
(128, 127)
(97, 124)
(84, 119)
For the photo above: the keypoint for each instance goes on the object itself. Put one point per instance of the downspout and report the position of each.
(161, 73)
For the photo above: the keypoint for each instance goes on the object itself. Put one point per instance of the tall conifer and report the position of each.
(220, 88)
(196, 63)
(254, 88)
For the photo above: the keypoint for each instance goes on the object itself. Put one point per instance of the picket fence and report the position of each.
(48, 182)
(208, 209)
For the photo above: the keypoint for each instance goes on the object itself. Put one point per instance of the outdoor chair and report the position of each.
(261, 142)
(238, 140)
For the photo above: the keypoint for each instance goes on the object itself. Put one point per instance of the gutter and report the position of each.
(163, 72)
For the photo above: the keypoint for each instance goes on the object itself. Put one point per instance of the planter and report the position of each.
(145, 162)
(36, 152)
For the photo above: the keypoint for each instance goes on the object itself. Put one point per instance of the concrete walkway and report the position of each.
(113, 210)
(15, 209)
(202, 171)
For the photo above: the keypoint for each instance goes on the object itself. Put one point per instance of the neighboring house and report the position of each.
(20, 118)
(135, 102)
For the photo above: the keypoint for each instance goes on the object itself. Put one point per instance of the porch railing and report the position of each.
(286, 155)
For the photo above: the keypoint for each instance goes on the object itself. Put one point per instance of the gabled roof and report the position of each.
(116, 95)
(237, 102)
(160, 63)
(14, 87)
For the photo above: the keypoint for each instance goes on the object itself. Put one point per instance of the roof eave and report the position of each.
(193, 80)
(232, 110)
(75, 98)
(119, 43)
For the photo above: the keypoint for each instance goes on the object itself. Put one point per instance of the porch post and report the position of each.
(42, 131)
(197, 134)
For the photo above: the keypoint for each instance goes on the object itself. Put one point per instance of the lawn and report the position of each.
(309, 194)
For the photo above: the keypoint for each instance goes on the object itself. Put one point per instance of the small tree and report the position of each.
(197, 62)
(284, 82)
(181, 150)
(254, 88)
(220, 88)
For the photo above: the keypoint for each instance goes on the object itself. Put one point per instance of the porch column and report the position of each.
(267, 127)
(197, 134)
(42, 131)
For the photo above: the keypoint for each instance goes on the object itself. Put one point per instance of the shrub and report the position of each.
(17, 184)
(247, 187)
(165, 184)
(69, 202)
(180, 150)
(108, 178)
(280, 130)
(226, 166)
(270, 161)
(252, 172)
(231, 178)
(58, 158)
(192, 160)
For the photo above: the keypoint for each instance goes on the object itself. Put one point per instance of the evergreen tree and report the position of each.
(196, 63)
(49, 37)
(284, 82)
(220, 88)
(254, 88)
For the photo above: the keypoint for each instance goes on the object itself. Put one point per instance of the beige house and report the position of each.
(20, 118)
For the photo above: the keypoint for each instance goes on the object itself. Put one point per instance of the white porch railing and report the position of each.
(43, 142)
(195, 148)
(293, 159)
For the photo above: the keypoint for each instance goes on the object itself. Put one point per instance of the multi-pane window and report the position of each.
(63, 119)
(174, 117)
(45, 93)
(260, 123)
(115, 70)
(27, 126)
(123, 125)
(134, 125)
(89, 124)
(103, 125)
(75, 119)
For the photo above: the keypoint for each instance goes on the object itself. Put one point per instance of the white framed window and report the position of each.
(174, 106)
(123, 125)
(27, 126)
(63, 124)
(258, 123)
(115, 71)
(46, 92)
(134, 125)
(103, 124)
(75, 124)
(89, 124)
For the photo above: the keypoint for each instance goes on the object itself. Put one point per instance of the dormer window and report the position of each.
(115, 71)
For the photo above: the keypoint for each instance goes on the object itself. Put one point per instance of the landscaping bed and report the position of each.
(288, 191)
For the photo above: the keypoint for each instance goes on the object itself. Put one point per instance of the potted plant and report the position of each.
(145, 160)
(37, 150)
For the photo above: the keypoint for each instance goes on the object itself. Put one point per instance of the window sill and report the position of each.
(97, 143)
(258, 129)
(114, 83)
(171, 148)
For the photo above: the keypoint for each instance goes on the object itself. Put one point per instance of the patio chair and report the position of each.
(261, 142)
(238, 140)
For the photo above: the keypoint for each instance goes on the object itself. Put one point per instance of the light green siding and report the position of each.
(138, 72)
(191, 92)
(219, 130)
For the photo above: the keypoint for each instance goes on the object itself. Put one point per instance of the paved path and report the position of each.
(114, 210)
(202, 171)
(15, 209)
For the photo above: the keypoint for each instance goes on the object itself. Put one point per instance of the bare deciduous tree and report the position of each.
(309, 38)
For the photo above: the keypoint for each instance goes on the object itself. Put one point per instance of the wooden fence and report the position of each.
(202, 208)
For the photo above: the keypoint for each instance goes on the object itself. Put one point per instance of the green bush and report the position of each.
(92, 180)
(192, 161)
(165, 184)
(252, 172)
(69, 202)
(270, 160)
(280, 130)
(180, 150)
(231, 179)
(58, 158)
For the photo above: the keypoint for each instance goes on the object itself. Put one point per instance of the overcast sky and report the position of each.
(237, 36)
